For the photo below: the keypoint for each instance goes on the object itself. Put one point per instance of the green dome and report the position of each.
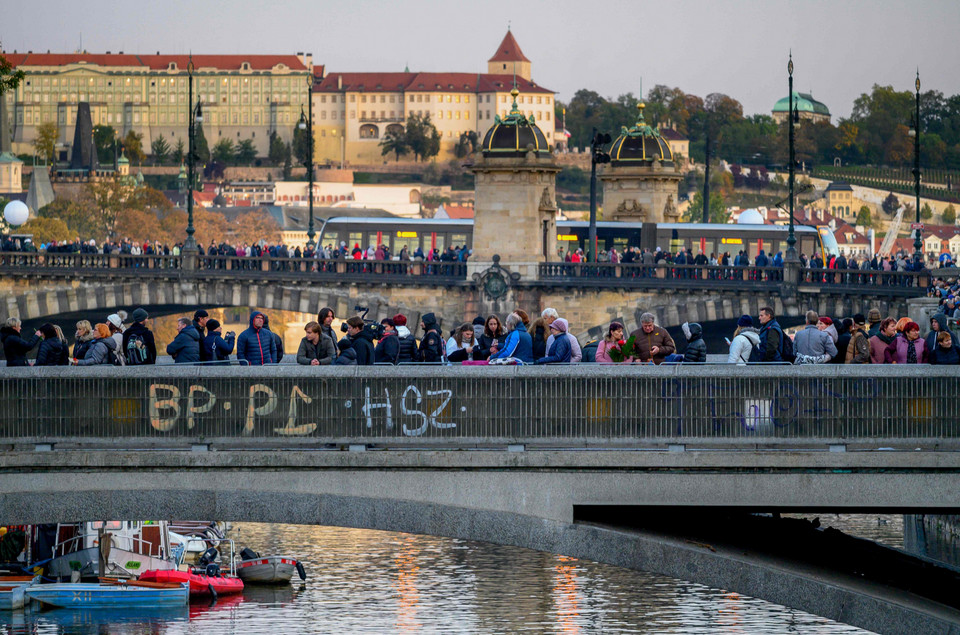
(803, 102)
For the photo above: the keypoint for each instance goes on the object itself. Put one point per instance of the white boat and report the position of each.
(256, 569)
(129, 548)
(96, 595)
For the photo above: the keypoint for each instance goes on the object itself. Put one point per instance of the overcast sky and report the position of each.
(840, 47)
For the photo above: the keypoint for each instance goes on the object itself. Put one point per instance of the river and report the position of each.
(362, 581)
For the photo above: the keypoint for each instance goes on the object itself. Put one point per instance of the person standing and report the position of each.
(256, 344)
(431, 346)
(326, 317)
(879, 342)
(813, 345)
(15, 348)
(696, 350)
(185, 347)
(53, 350)
(84, 339)
(858, 350)
(745, 339)
(200, 318)
(387, 350)
(361, 340)
(217, 347)
(945, 353)
(138, 344)
(771, 336)
(652, 343)
(406, 340)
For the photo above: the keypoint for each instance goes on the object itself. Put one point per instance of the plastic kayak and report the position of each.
(201, 584)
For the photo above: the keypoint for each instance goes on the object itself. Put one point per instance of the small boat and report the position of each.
(88, 595)
(256, 569)
(12, 594)
(128, 548)
(200, 583)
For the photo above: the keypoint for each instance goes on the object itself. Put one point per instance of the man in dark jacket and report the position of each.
(256, 345)
(200, 318)
(771, 336)
(277, 340)
(326, 317)
(388, 348)
(217, 347)
(696, 347)
(53, 351)
(362, 341)
(185, 347)
(144, 350)
(431, 346)
(15, 348)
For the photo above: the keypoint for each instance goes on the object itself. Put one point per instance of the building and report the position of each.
(807, 107)
(839, 200)
(243, 96)
(352, 112)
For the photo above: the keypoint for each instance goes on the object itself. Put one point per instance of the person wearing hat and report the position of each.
(405, 339)
(813, 345)
(560, 350)
(858, 350)
(745, 339)
(873, 319)
(347, 355)
(387, 350)
(200, 318)
(217, 347)
(115, 324)
(144, 347)
(431, 346)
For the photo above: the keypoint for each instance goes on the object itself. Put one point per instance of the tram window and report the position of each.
(355, 239)
(441, 243)
(753, 248)
(459, 240)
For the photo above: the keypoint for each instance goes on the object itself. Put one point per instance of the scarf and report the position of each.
(911, 352)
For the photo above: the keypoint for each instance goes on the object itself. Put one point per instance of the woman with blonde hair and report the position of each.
(85, 337)
(102, 349)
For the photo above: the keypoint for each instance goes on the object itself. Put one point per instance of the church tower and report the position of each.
(510, 60)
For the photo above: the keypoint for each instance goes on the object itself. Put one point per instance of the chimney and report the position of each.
(339, 82)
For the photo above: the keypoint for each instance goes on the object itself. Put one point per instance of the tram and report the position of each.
(429, 234)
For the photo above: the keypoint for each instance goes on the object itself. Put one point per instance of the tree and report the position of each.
(46, 229)
(718, 210)
(133, 146)
(422, 136)
(254, 226)
(301, 145)
(179, 151)
(467, 144)
(104, 138)
(200, 145)
(949, 215)
(9, 78)
(864, 217)
(78, 218)
(45, 144)
(223, 151)
(925, 212)
(395, 142)
(160, 150)
(890, 204)
(246, 152)
(279, 152)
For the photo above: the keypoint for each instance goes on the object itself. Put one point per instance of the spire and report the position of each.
(509, 50)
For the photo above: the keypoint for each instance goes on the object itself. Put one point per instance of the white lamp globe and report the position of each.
(16, 213)
(750, 217)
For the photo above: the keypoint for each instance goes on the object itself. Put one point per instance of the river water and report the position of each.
(363, 581)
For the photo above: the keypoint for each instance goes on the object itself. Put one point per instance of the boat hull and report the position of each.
(200, 583)
(97, 596)
(122, 564)
(12, 597)
(267, 570)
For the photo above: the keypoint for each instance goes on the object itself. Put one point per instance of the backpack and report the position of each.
(756, 354)
(786, 349)
(136, 350)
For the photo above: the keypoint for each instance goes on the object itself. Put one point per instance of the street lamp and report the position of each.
(195, 117)
(306, 123)
(915, 133)
(597, 155)
(792, 117)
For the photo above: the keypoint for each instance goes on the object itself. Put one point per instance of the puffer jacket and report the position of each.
(931, 338)
(696, 348)
(15, 348)
(52, 352)
(559, 352)
(743, 344)
(100, 352)
(408, 345)
(185, 347)
(82, 345)
(256, 346)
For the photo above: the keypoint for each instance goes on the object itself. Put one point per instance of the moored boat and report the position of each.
(256, 569)
(200, 583)
(89, 595)
(127, 548)
(12, 597)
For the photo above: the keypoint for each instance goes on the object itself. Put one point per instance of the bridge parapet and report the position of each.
(462, 407)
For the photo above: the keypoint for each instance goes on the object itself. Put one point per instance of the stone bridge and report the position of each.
(589, 296)
(429, 451)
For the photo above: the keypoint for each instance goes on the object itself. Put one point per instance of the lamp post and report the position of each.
(306, 123)
(792, 116)
(915, 133)
(195, 117)
(597, 155)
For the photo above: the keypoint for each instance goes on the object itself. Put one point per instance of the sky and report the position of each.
(841, 48)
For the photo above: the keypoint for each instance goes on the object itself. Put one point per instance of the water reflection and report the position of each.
(378, 582)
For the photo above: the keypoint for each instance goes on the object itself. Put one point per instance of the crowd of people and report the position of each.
(518, 339)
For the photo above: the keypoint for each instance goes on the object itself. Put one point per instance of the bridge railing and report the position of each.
(463, 407)
(658, 275)
(896, 282)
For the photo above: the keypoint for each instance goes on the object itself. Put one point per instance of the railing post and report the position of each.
(188, 260)
(790, 283)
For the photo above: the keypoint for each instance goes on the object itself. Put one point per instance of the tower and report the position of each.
(640, 183)
(515, 194)
(510, 60)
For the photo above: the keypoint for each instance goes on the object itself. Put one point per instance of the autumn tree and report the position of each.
(255, 226)
(45, 144)
(864, 217)
(133, 145)
(949, 215)
(9, 78)
(46, 229)
(78, 217)
(926, 213)
(160, 149)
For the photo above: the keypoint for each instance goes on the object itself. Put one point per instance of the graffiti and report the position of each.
(419, 410)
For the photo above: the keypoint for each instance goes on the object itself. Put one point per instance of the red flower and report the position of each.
(621, 342)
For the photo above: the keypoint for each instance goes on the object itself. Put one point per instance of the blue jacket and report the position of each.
(560, 352)
(216, 348)
(257, 346)
(185, 347)
(770, 349)
(519, 344)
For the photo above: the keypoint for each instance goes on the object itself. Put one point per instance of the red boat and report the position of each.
(201, 584)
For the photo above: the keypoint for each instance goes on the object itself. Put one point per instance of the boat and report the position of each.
(195, 536)
(105, 595)
(200, 584)
(128, 547)
(12, 594)
(256, 569)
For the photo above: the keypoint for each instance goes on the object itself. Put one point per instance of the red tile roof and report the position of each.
(459, 211)
(158, 62)
(671, 135)
(425, 82)
(509, 50)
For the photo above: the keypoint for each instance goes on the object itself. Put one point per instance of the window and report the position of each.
(466, 99)
(383, 99)
(363, 114)
(439, 114)
(457, 100)
(466, 114)
(323, 99)
(323, 114)
(449, 98)
(458, 114)
(391, 99)
(353, 99)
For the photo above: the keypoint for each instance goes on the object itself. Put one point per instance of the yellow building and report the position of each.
(243, 96)
(352, 112)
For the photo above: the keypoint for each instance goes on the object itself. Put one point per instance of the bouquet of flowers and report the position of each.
(622, 351)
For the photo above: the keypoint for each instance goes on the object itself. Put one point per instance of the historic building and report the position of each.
(352, 112)
(243, 96)
(807, 108)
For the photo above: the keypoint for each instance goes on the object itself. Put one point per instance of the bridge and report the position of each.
(589, 295)
(537, 457)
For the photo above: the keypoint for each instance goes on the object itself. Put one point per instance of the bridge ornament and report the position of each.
(495, 279)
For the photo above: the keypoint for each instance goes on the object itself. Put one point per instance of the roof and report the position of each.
(804, 102)
(450, 210)
(425, 82)
(839, 186)
(672, 135)
(509, 50)
(159, 62)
